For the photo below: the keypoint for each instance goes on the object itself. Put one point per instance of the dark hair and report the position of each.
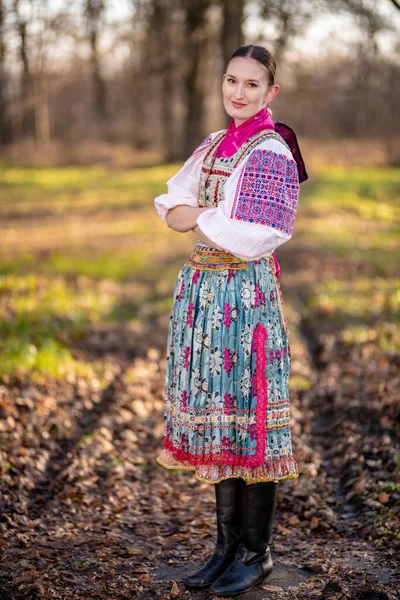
(263, 56)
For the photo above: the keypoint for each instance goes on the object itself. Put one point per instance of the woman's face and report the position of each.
(245, 88)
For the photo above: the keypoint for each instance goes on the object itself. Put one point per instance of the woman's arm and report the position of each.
(183, 218)
(183, 186)
(259, 207)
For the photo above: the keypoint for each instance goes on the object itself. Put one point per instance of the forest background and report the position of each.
(100, 103)
(145, 74)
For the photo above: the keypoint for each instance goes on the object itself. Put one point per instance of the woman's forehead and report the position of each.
(246, 68)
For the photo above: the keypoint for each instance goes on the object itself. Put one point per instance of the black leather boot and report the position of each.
(253, 560)
(228, 497)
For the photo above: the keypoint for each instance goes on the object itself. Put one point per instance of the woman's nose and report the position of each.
(239, 92)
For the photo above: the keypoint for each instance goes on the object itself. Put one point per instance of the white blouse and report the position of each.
(260, 200)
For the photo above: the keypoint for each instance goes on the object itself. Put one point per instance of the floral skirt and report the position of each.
(226, 402)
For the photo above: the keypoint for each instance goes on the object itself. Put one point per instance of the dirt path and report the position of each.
(86, 513)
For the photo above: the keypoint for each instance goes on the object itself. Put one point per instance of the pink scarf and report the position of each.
(236, 136)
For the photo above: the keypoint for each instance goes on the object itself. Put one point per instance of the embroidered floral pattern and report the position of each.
(226, 407)
(268, 191)
(226, 392)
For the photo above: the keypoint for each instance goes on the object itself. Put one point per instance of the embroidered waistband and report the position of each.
(204, 257)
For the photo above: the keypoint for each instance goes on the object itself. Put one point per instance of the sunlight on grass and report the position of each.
(40, 318)
(360, 297)
(41, 296)
(384, 336)
(354, 213)
(368, 310)
(18, 356)
(354, 188)
(31, 191)
(75, 240)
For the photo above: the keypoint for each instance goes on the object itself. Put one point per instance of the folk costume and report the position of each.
(226, 402)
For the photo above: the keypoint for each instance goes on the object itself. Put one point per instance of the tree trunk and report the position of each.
(195, 89)
(5, 131)
(94, 9)
(163, 64)
(26, 92)
(231, 33)
(42, 120)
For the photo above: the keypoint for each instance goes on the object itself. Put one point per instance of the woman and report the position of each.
(227, 414)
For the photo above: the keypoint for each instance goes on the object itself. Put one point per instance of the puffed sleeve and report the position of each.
(183, 186)
(260, 203)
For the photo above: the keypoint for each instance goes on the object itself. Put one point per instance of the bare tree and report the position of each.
(290, 18)
(165, 64)
(40, 78)
(5, 132)
(195, 17)
(26, 120)
(231, 31)
(163, 88)
(93, 13)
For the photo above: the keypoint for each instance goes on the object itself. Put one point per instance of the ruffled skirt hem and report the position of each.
(274, 469)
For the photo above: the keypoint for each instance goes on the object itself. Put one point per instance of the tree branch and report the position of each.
(396, 4)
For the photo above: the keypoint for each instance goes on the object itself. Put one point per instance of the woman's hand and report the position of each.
(183, 218)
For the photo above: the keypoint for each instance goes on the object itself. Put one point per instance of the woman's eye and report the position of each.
(253, 84)
(231, 80)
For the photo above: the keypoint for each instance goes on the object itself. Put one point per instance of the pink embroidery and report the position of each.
(196, 276)
(257, 431)
(267, 191)
(222, 458)
(228, 402)
(227, 360)
(227, 315)
(260, 296)
(261, 335)
(226, 441)
(277, 267)
(190, 314)
(186, 354)
(184, 398)
(181, 289)
(205, 142)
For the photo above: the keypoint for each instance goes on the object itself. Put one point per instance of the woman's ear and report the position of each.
(272, 92)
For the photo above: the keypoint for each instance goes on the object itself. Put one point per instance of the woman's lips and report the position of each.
(237, 105)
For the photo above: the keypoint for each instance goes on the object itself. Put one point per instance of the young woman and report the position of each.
(227, 413)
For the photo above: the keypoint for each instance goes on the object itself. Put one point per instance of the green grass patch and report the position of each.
(362, 297)
(75, 238)
(31, 191)
(41, 319)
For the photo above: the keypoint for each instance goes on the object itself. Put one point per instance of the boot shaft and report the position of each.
(229, 497)
(258, 510)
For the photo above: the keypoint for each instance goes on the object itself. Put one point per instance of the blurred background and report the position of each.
(128, 81)
(100, 103)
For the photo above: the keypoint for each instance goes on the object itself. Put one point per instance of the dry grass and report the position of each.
(367, 152)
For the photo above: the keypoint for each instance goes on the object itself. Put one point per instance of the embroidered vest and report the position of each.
(215, 171)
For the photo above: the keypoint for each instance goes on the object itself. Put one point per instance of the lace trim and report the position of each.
(259, 340)
(274, 469)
